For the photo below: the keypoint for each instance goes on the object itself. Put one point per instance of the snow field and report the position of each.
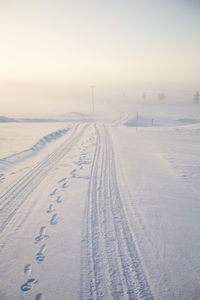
(163, 208)
(105, 211)
(39, 218)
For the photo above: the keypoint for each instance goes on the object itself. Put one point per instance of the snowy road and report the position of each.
(15, 196)
(19, 205)
(96, 215)
(110, 263)
(111, 267)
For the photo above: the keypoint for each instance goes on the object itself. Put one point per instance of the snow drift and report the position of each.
(27, 153)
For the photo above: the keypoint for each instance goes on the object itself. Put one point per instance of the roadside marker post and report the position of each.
(92, 97)
(136, 120)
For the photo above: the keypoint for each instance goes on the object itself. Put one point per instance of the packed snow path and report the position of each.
(14, 197)
(111, 266)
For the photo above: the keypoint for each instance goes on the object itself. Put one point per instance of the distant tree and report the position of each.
(161, 96)
(196, 98)
(144, 96)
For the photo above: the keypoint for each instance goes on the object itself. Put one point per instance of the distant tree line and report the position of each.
(161, 96)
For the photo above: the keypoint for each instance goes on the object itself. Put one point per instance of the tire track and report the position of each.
(17, 194)
(121, 119)
(5, 195)
(110, 265)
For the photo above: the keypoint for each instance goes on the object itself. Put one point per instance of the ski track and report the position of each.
(110, 263)
(16, 195)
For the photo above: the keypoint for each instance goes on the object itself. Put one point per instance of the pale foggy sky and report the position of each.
(93, 40)
(51, 51)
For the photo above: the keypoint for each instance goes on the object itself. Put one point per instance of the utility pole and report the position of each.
(92, 96)
(136, 121)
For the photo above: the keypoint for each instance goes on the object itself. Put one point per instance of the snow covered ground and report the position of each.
(102, 207)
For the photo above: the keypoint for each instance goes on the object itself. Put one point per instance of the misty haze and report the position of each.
(99, 149)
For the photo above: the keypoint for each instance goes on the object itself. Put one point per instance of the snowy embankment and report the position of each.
(15, 158)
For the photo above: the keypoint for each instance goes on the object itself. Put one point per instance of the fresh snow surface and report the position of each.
(102, 206)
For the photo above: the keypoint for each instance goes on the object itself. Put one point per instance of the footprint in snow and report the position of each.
(28, 285)
(51, 209)
(64, 185)
(40, 256)
(73, 173)
(58, 200)
(54, 219)
(27, 269)
(42, 235)
(39, 297)
(53, 193)
(63, 179)
(2, 178)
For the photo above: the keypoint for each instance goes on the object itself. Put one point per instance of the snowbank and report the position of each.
(22, 155)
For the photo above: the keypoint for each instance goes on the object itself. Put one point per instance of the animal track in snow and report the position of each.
(40, 256)
(54, 219)
(51, 209)
(58, 200)
(27, 269)
(28, 285)
(53, 193)
(39, 296)
(42, 235)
